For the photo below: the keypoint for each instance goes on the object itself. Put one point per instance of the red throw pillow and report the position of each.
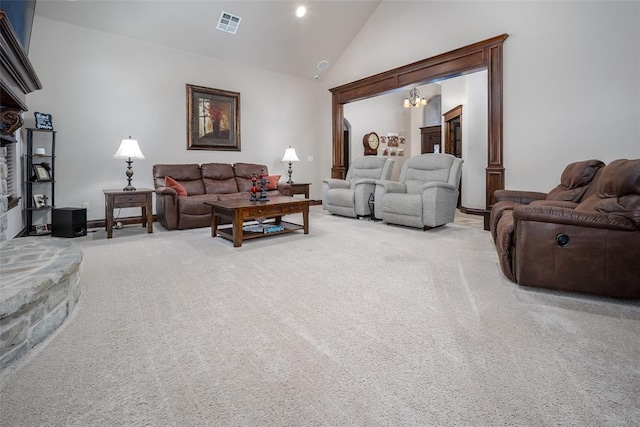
(172, 183)
(272, 182)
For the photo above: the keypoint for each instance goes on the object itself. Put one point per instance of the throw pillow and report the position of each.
(172, 183)
(272, 182)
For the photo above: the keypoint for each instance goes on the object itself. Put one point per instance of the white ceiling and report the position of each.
(270, 36)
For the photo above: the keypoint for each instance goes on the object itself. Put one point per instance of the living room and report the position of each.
(571, 92)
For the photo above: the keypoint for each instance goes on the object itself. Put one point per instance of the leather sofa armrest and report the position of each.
(524, 197)
(567, 216)
(168, 191)
(167, 207)
(336, 183)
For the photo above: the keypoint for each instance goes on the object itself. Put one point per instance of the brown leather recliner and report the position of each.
(575, 186)
(592, 248)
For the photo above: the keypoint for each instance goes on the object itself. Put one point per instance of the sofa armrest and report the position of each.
(391, 186)
(568, 216)
(524, 197)
(167, 207)
(336, 183)
(383, 187)
(438, 184)
(166, 191)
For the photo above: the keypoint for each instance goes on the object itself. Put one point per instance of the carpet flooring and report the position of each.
(358, 323)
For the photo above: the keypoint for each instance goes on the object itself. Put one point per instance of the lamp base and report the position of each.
(289, 172)
(129, 174)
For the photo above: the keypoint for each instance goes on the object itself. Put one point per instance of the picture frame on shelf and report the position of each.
(41, 228)
(39, 201)
(41, 173)
(213, 119)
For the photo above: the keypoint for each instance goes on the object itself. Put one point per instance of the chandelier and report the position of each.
(414, 99)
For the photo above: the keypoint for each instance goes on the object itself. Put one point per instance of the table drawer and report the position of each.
(291, 209)
(130, 198)
(259, 211)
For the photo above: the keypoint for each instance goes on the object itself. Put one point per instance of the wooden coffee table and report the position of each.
(239, 211)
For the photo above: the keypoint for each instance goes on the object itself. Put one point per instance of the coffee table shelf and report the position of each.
(241, 211)
(227, 232)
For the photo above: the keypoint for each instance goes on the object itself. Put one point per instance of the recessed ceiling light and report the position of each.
(323, 65)
(301, 11)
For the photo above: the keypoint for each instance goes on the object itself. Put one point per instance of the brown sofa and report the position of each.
(203, 183)
(575, 186)
(592, 247)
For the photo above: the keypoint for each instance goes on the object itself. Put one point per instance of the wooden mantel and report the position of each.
(17, 80)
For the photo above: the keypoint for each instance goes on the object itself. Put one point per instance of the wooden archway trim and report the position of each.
(486, 54)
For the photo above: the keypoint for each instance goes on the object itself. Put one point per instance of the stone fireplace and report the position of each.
(17, 79)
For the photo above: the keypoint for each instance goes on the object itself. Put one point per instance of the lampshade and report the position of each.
(129, 149)
(290, 155)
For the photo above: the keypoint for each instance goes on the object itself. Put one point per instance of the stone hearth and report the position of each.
(39, 290)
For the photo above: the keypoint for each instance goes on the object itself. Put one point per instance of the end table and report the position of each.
(142, 197)
(300, 188)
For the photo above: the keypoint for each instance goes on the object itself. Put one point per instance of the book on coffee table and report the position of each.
(263, 228)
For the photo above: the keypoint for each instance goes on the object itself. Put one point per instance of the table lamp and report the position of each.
(290, 156)
(129, 150)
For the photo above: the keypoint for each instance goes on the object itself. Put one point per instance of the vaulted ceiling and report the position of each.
(270, 36)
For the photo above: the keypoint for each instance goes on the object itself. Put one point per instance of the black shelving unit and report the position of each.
(46, 139)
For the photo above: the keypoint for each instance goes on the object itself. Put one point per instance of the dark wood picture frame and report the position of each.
(213, 119)
(41, 173)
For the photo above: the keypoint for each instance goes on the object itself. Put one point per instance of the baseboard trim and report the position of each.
(129, 220)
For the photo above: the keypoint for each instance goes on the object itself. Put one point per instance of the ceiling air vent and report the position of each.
(228, 23)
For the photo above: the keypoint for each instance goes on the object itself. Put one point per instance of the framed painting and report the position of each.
(213, 119)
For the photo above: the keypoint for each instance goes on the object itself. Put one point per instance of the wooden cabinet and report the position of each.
(39, 180)
(430, 137)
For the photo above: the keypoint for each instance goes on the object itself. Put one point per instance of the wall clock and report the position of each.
(371, 142)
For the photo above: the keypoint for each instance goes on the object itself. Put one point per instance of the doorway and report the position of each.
(484, 55)
(453, 138)
(347, 143)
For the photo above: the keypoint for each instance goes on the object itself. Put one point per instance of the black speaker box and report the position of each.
(69, 222)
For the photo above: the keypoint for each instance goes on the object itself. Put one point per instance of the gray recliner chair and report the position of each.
(350, 196)
(426, 194)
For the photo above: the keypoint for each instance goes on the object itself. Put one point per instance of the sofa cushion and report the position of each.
(272, 182)
(575, 180)
(218, 178)
(172, 183)
(618, 191)
(620, 178)
(244, 173)
(194, 205)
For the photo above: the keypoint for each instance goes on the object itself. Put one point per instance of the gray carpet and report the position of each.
(358, 323)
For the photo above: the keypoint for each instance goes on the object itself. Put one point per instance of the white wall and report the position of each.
(470, 91)
(570, 91)
(102, 88)
(382, 115)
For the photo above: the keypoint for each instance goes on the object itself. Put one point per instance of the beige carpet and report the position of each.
(358, 323)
